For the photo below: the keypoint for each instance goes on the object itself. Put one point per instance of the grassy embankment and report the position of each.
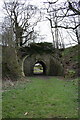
(71, 61)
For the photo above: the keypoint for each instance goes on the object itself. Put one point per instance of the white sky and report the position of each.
(43, 27)
(1, 12)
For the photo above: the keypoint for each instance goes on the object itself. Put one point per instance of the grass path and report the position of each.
(41, 98)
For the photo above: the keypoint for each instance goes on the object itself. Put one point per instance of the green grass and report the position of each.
(0, 104)
(42, 98)
(38, 70)
(70, 54)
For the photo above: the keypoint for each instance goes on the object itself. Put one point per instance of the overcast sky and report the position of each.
(43, 27)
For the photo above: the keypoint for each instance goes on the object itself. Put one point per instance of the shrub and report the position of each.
(71, 73)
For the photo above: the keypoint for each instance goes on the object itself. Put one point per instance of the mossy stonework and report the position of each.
(50, 65)
(42, 53)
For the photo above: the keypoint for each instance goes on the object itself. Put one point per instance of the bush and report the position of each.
(70, 73)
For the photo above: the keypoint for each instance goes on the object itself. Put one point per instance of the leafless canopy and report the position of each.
(65, 15)
(23, 18)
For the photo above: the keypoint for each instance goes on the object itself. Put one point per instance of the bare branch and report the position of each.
(51, 2)
(27, 39)
(73, 9)
(65, 27)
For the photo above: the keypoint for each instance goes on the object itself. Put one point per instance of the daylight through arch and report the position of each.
(39, 68)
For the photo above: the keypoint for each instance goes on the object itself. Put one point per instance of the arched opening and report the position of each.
(39, 68)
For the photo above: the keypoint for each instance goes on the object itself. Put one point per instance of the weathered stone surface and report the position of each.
(42, 53)
(50, 65)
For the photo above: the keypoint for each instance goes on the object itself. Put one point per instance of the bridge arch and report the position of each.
(50, 65)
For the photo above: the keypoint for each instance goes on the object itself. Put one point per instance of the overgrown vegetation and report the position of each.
(70, 59)
(37, 48)
(10, 65)
(18, 30)
(41, 98)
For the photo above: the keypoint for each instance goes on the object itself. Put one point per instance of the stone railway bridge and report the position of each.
(45, 56)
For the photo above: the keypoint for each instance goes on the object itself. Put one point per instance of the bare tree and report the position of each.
(54, 21)
(7, 33)
(76, 9)
(23, 19)
(62, 16)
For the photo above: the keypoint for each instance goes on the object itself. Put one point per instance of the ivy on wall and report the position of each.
(39, 48)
